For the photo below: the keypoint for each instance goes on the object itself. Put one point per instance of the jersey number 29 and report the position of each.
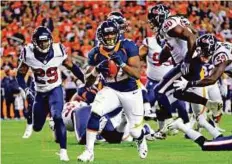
(50, 72)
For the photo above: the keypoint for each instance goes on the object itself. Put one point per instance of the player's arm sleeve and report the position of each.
(72, 67)
(131, 48)
(22, 70)
(133, 66)
(143, 49)
(63, 51)
(92, 57)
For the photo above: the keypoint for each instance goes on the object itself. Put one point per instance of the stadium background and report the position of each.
(74, 24)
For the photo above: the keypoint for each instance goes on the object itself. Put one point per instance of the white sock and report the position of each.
(90, 140)
(212, 130)
(63, 151)
(188, 131)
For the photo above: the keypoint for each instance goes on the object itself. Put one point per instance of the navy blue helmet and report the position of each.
(42, 39)
(157, 15)
(206, 44)
(108, 34)
(119, 19)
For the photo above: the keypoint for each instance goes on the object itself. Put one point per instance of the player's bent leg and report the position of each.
(132, 103)
(105, 102)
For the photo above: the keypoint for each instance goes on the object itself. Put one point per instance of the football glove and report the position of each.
(116, 57)
(103, 67)
(181, 84)
(184, 68)
(29, 95)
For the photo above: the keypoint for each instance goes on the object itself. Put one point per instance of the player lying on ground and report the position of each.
(220, 143)
(113, 126)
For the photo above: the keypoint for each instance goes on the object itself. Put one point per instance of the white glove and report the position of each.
(181, 84)
(184, 68)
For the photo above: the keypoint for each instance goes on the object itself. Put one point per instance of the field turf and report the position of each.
(41, 149)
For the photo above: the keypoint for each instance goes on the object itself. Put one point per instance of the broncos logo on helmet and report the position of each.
(206, 45)
(119, 19)
(157, 15)
(42, 39)
(108, 34)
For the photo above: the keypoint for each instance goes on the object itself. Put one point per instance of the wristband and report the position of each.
(122, 65)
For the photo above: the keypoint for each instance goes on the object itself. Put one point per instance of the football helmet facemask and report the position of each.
(157, 15)
(108, 34)
(206, 45)
(42, 39)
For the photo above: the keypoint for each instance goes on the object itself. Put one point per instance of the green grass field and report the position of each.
(40, 148)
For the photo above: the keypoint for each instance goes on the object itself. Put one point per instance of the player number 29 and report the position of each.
(50, 72)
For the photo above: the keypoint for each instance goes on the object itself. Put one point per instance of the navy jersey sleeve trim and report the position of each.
(62, 49)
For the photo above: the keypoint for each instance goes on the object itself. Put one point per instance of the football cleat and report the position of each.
(142, 148)
(28, 131)
(159, 135)
(86, 156)
(166, 129)
(148, 132)
(63, 155)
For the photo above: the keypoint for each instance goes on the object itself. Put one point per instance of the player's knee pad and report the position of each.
(94, 122)
(136, 132)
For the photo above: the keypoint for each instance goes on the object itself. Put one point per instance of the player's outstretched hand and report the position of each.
(182, 84)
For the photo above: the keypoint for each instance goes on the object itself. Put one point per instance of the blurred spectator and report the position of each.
(74, 23)
(11, 87)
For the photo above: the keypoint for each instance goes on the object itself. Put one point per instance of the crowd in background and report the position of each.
(73, 23)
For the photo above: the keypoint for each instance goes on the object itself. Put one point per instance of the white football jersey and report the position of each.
(155, 71)
(46, 73)
(178, 46)
(69, 107)
(223, 53)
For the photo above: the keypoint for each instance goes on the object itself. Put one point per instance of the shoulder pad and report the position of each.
(169, 24)
(220, 58)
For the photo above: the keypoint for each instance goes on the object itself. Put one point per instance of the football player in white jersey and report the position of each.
(155, 73)
(120, 88)
(209, 50)
(44, 58)
(218, 144)
(180, 45)
(213, 93)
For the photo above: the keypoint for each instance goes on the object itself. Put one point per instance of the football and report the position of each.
(113, 68)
